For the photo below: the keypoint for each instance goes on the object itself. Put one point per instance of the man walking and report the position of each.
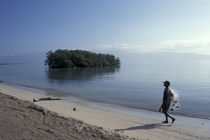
(166, 102)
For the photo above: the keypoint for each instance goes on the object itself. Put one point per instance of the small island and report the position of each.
(79, 58)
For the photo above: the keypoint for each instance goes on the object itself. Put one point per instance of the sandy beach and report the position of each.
(60, 121)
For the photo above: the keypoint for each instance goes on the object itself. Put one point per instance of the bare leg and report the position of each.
(166, 115)
(172, 118)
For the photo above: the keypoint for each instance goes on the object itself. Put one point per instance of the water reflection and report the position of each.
(81, 73)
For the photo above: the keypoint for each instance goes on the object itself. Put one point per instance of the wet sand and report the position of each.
(134, 127)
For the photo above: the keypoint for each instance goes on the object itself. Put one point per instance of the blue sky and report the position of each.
(181, 26)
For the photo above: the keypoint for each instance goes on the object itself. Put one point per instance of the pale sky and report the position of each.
(181, 26)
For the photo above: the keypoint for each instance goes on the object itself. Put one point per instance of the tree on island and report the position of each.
(79, 58)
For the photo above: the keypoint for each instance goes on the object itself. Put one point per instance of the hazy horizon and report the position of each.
(125, 57)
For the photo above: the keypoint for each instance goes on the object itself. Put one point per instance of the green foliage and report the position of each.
(79, 58)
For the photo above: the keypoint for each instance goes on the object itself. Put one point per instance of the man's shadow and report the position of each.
(146, 126)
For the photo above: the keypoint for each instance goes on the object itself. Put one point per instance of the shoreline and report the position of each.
(80, 100)
(145, 126)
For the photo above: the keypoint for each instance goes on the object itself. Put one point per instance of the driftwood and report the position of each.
(46, 99)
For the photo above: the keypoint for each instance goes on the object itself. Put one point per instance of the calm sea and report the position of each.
(136, 83)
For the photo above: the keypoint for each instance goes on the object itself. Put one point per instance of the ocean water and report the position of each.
(136, 83)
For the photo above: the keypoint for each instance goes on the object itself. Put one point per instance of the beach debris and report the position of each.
(74, 109)
(46, 99)
(13, 98)
(37, 109)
